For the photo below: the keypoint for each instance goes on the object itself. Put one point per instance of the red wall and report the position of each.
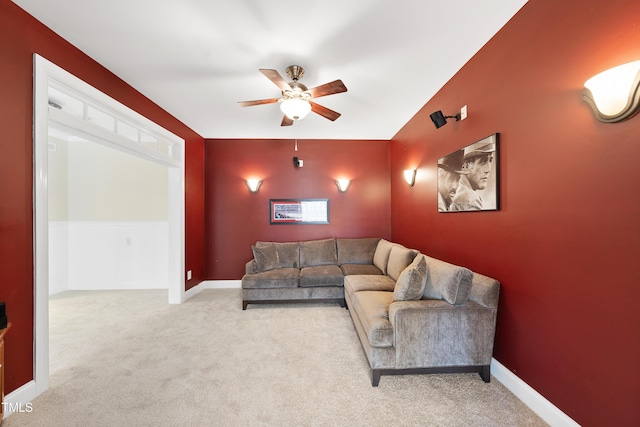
(20, 37)
(566, 242)
(564, 245)
(237, 218)
(195, 245)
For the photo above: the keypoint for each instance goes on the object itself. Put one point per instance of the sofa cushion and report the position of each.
(411, 283)
(356, 251)
(288, 253)
(360, 269)
(447, 281)
(381, 255)
(399, 258)
(372, 308)
(359, 283)
(278, 278)
(318, 252)
(251, 267)
(266, 257)
(321, 275)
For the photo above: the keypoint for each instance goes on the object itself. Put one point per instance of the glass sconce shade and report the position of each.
(253, 184)
(410, 176)
(343, 184)
(614, 94)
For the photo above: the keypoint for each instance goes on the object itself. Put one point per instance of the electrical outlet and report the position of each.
(189, 275)
(463, 113)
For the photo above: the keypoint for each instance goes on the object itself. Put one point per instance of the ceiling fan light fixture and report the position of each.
(295, 109)
(297, 101)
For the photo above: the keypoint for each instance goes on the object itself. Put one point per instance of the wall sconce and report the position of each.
(254, 185)
(410, 176)
(343, 184)
(440, 119)
(614, 94)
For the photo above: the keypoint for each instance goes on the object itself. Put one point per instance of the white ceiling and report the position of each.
(198, 58)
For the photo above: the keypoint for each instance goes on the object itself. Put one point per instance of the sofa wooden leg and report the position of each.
(375, 377)
(244, 305)
(485, 373)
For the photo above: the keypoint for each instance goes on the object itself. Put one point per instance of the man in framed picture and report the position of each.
(449, 171)
(477, 163)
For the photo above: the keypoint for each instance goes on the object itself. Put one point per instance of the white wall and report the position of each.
(108, 220)
(105, 184)
(118, 255)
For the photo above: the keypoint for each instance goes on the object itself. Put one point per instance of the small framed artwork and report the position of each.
(468, 178)
(299, 211)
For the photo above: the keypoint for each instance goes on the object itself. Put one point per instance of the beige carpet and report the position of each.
(127, 358)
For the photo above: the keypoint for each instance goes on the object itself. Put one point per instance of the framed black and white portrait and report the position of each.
(468, 178)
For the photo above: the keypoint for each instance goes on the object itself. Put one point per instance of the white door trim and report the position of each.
(46, 73)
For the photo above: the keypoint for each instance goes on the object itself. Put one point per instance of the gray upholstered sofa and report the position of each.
(305, 271)
(412, 313)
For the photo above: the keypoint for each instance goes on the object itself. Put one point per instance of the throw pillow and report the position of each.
(447, 281)
(412, 280)
(381, 255)
(399, 259)
(266, 257)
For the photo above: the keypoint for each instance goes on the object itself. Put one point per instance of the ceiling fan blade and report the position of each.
(324, 111)
(258, 102)
(327, 89)
(286, 121)
(276, 78)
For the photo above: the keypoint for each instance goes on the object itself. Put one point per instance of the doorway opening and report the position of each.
(64, 102)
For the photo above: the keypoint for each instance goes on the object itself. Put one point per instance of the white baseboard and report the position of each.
(20, 399)
(192, 291)
(221, 284)
(534, 400)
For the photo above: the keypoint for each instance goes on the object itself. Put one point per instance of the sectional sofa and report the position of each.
(412, 313)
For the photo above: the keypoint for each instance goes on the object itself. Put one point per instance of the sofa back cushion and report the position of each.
(381, 255)
(484, 290)
(447, 281)
(399, 258)
(412, 281)
(318, 252)
(266, 257)
(288, 253)
(356, 251)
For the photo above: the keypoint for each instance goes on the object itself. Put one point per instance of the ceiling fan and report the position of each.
(296, 101)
